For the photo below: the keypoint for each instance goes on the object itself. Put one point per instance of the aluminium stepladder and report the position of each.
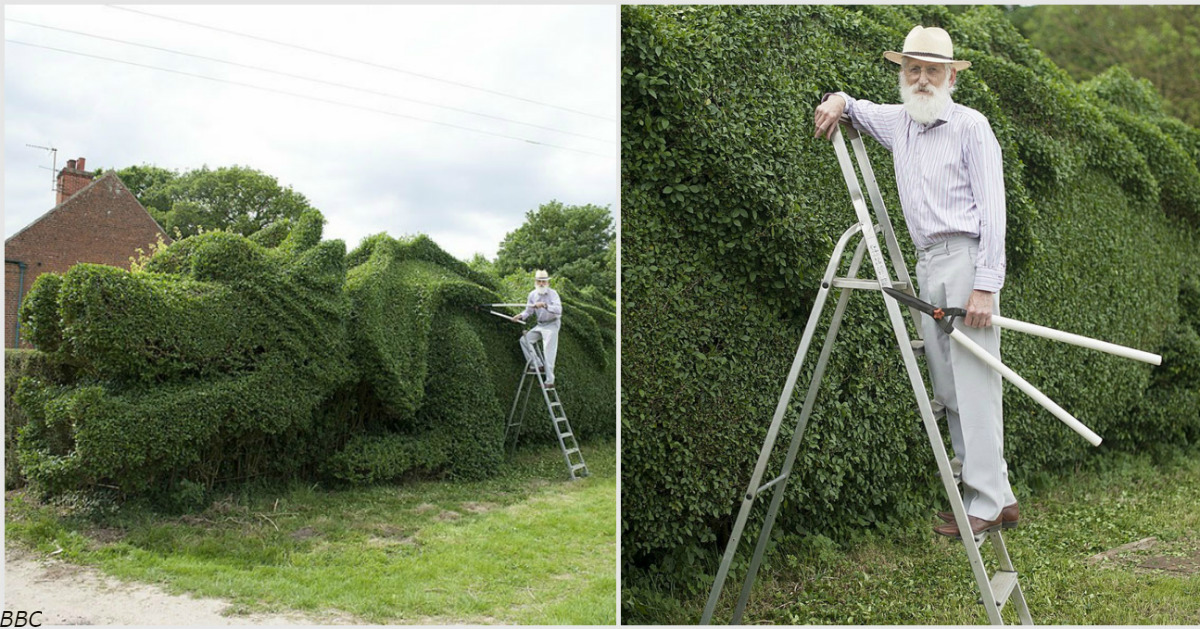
(567, 442)
(996, 590)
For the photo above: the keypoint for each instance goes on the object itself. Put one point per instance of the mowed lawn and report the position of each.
(1116, 544)
(528, 546)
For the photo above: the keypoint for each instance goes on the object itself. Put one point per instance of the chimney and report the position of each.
(72, 179)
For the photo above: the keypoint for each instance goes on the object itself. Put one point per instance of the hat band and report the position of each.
(927, 54)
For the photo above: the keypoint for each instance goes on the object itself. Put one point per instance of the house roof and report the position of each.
(106, 177)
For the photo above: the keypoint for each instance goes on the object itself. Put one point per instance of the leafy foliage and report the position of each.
(1153, 42)
(234, 198)
(227, 357)
(572, 241)
(730, 210)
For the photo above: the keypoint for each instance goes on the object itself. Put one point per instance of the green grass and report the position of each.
(525, 547)
(926, 579)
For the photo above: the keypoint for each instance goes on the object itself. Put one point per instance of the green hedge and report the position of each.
(280, 354)
(730, 211)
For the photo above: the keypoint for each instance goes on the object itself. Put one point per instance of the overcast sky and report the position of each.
(367, 171)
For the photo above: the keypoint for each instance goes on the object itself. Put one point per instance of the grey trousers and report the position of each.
(970, 389)
(547, 333)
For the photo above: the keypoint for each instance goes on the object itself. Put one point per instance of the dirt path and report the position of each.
(68, 594)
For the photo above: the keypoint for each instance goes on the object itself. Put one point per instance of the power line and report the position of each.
(364, 62)
(314, 80)
(313, 98)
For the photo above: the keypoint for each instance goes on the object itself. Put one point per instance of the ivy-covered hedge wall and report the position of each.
(730, 211)
(229, 357)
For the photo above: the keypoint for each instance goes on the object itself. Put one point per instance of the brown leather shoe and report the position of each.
(978, 525)
(1010, 515)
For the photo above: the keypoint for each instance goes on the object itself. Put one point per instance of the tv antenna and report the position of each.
(53, 164)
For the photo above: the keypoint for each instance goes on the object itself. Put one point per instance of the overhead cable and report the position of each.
(313, 98)
(364, 62)
(314, 80)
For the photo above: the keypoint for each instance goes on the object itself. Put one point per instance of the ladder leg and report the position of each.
(773, 432)
(528, 391)
(509, 425)
(809, 400)
(1017, 596)
(943, 462)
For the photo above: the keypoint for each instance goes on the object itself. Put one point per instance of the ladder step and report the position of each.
(864, 284)
(566, 434)
(561, 419)
(918, 346)
(761, 489)
(572, 451)
(581, 466)
(1003, 583)
(939, 409)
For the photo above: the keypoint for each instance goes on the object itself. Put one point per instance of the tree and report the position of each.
(572, 241)
(235, 198)
(1159, 43)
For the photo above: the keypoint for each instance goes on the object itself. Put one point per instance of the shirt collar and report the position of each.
(943, 117)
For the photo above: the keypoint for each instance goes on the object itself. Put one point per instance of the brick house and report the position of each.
(94, 220)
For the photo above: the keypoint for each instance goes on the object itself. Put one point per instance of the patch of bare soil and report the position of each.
(1150, 555)
(68, 594)
(307, 532)
(447, 516)
(478, 507)
(425, 508)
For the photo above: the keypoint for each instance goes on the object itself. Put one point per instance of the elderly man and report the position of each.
(545, 302)
(951, 182)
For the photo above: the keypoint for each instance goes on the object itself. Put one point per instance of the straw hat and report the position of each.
(928, 44)
(541, 275)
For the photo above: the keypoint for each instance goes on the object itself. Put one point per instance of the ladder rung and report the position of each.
(760, 489)
(1002, 584)
(566, 434)
(561, 419)
(578, 467)
(556, 403)
(918, 346)
(572, 450)
(864, 284)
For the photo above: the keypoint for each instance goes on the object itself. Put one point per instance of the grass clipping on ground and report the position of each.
(524, 547)
(1083, 552)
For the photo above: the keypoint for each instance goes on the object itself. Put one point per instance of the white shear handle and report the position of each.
(1024, 386)
(1075, 339)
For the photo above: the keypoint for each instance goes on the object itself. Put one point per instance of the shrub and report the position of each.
(229, 357)
(729, 212)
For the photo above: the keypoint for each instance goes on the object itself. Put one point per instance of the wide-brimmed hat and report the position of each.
(541, 274)
(928, 44)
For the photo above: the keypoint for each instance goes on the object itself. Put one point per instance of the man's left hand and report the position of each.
(979, 309)
(540, 304)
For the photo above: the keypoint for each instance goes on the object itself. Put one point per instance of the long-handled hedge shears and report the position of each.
(944, 317)
(501, 314)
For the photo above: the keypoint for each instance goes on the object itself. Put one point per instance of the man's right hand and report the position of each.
(829, 113)
(516, 318)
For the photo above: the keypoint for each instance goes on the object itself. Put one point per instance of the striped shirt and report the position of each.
(550, 313)
(950, 176)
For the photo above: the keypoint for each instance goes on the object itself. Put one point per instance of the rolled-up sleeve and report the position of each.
(877, 121)
(985, 165)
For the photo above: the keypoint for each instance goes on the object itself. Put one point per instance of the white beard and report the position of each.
(924, 108)
(542, 290)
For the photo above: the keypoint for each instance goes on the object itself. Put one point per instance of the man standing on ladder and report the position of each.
(545, 302)
(950, 177)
